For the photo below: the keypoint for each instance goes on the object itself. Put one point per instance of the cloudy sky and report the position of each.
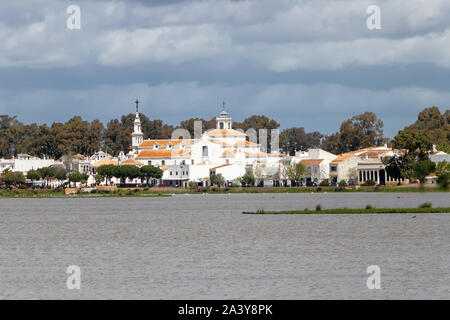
(310, 63)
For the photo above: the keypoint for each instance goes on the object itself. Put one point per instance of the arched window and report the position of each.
(221, 125)
(205, 151)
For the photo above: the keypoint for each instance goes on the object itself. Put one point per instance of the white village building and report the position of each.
(221, 150)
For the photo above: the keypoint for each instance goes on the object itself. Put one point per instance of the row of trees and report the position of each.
(107, 172)
(128, 172)
(11, 178)
(80, 136)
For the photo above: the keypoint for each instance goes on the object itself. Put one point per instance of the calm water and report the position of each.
(202, 247)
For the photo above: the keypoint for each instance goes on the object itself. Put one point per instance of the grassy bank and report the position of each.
(18, 193)
(357, 211)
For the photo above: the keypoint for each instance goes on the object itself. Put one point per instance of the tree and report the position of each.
(126, 172)
(293, 139)
(259, 174)
(217, 179)
(353, 176)
(435, 126)
(361, 131)
(416, 144)
(12, 178)
(295, 172)
(248, 179)
(33, 175)
(258, 122)
(423, 168)
(396, 167)
(47, 173)
(151, 172)
(415, 147)
(443, 174)
(98, 179)
(78, 177)
(107, 171)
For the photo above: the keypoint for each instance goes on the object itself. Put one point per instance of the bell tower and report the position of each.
(137, 137)
(223, 121)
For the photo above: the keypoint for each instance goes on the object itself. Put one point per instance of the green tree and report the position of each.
(397, 167)
(436, 126)
(415, 147)
(443, 174)
(217, 179)
(295, 172)
(12, 178)
(78, 177)
(423, 168)
(151, 172)
(293, 139)
(33, 175)
(258, 122)
(126, 172)
(248, 179)
(107, 171)
(99, 179)
(360, 131)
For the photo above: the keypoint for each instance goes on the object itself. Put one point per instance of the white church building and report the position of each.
(221, 150)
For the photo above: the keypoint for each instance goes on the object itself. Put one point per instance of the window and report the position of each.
(170, 172)
(221, 125)
(176, 173)
(333, 168)
(163, 162)
(192, 161)
(204, 151)
(149, 162)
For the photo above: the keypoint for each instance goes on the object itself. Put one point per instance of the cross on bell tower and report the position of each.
(137, 105)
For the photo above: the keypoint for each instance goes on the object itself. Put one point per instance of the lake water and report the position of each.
(202, 247)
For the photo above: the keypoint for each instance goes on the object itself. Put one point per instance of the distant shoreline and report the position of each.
(167, 192)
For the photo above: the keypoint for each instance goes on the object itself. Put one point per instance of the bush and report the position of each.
(342, 183)
(369, 183)
(368, 207)
(426, 205)
(443, 174)
(192, 185)
(318, 207)
(260, 211)
(423, 168)
(324, 183)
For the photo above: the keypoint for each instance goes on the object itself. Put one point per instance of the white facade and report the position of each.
(22, 165)
(214, 148)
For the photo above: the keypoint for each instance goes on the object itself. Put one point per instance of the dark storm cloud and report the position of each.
(304, 63)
